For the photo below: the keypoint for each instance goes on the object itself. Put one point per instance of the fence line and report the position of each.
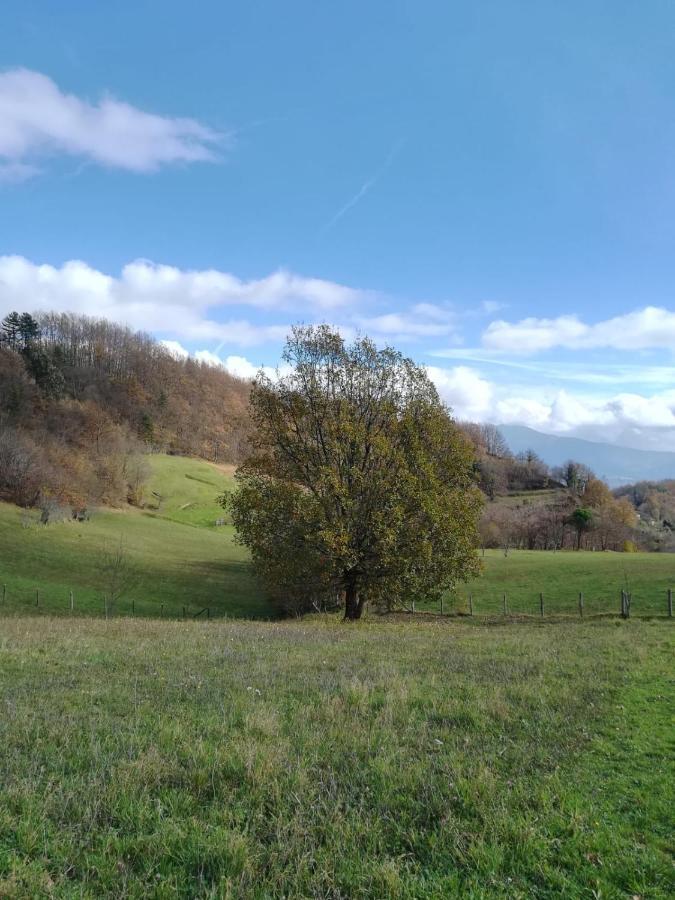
(93, 603)
(505, 605)
(583, 608)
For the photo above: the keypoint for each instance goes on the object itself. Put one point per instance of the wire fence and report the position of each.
(50, 601)
(578, 604)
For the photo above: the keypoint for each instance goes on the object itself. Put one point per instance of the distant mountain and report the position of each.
(616, 465)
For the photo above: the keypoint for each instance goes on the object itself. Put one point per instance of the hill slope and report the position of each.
(178, 556)
(616, 465)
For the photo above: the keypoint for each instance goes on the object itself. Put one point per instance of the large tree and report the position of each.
(359, 484)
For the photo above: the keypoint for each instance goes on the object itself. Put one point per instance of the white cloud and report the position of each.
(605, 418)
(651, 327)
(240, 365)
(176, 349)
(491, 306)
(167, 300)
(421, 321)
(243, 368)
(207, 356)
(37, 119)
(469, 395)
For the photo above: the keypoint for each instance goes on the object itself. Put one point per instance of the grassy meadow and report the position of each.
(431, 759)
(180, 558)
(561, 576)
(403, 757)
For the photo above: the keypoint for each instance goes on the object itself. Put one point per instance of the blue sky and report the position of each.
(489, 186)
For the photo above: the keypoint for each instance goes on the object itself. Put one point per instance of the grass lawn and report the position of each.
(180, 557)
(432, 759)
(523, 574)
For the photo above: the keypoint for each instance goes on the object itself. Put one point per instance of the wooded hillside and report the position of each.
(82, 399)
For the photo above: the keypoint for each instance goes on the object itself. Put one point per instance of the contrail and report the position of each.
(363, 190)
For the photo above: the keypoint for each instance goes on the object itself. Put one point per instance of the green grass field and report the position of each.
(188, 489)
(431, 759)
(524, 574)
(421, 757)
(183, 559)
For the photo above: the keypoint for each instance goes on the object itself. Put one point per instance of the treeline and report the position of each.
(654, 502)
(82, 400)
(536, 507)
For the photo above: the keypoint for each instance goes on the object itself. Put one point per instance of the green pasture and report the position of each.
(178, 556)
(561, 576)
(425, 759)
(181, 558)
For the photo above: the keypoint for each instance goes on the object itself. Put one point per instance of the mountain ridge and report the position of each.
(615, 464)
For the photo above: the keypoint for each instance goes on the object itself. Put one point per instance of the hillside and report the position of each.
(615, 465)
(177, 554)
(82, 400)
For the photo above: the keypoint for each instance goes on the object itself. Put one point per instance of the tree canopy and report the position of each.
(359, 484)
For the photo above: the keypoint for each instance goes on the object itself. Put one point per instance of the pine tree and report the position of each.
(29, 330)
(11, 329)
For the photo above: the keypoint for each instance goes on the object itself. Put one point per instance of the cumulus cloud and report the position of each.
(608, 417)
(37, 120)
(466, 391)
(240, 365)
(165, 299)
(651, 327)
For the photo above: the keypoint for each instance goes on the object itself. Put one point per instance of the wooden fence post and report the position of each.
(541, 605)
(625, 604)
(413, 606)
(470, 604)
(37, 596)
(72, 602)
(133, 608)
(670, 603)
(581, 604)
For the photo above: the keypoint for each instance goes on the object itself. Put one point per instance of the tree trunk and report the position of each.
(353, 604)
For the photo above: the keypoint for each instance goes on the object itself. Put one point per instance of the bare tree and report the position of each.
(117, 575)
(494, 441)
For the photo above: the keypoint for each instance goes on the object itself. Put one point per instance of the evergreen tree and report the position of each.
(29, 330)
(11, 329)
(48, 376)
